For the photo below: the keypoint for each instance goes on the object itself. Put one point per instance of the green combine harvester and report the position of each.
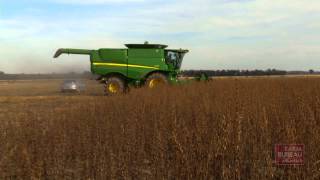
(140, 64)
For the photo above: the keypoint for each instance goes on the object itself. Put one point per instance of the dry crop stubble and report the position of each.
(224, 129)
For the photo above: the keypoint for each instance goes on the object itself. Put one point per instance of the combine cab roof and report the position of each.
(178, 50)
(147, 46)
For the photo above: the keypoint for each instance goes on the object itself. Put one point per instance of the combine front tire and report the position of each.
(156, 79)
(115, 85)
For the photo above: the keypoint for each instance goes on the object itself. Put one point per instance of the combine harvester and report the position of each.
(141, 64)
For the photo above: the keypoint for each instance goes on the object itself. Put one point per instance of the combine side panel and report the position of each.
(144, 61)
(111, 61)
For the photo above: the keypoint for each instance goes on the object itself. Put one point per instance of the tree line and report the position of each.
(188, 73)
(235, 72)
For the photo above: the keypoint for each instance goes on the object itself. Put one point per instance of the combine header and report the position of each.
(139, 64)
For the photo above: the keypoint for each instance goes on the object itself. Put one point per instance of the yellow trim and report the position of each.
(124, 65)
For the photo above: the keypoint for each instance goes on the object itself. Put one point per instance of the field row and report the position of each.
(224, 129)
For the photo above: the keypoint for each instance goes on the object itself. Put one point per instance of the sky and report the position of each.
(220, 34)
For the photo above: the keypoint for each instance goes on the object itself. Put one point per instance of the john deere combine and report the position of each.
(139, 64)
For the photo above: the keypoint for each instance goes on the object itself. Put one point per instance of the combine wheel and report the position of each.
(156, 79)
(115, 85)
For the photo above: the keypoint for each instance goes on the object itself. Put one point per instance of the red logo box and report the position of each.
(289, 154)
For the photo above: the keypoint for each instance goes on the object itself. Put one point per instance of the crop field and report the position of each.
(223, 129)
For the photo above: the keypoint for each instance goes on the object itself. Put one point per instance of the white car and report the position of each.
(72, 86)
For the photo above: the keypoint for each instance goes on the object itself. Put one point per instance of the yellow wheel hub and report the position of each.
(113, 87)
(155, 82)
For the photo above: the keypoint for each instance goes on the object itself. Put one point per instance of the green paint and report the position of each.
(134, 63)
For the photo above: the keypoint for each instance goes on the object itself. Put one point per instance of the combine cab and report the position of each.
(139, 64)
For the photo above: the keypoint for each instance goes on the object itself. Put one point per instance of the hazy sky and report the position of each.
(220, 34)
